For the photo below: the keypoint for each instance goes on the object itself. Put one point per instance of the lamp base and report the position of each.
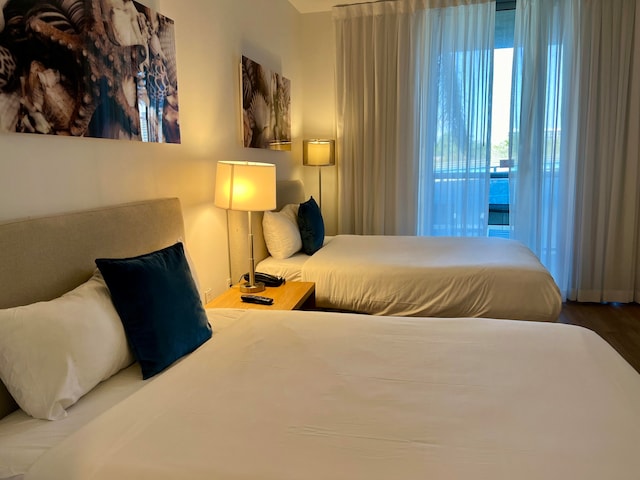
(246, 288)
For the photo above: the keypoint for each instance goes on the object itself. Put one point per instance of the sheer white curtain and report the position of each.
(544, 128)
(413, 83)
(455, 98)
(575, 182)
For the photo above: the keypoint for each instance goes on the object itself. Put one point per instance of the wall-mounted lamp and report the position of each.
(319, 153)
(250, 187)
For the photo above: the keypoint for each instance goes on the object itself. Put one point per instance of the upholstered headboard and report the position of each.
(287, 191)
(42, 258)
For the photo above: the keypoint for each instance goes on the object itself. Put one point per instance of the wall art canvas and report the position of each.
(88, 68)
(266, 106)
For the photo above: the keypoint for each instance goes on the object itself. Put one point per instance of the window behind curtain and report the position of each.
(455, 121)
(501, 160)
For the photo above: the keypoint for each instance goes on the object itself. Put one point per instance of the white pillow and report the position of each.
(281, 232)
(52, 353)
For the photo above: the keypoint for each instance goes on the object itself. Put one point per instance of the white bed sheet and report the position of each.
(289, 268)
(427, 276)
(23, 439)
(316, 395)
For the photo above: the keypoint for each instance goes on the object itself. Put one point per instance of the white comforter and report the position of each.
(428, 276)
(298, 395)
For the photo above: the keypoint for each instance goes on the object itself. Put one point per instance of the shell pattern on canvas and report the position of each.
(166, 37)
(266, 101)
(58, 103)
(67, 16)
(48, 105)
(9, 109)
(91, 52)
(124, 25)
(260, 112)
(7, 67)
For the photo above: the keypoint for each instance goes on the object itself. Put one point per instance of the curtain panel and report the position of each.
(385, 52)
(376, 127)
(543, 132)
(608, 193)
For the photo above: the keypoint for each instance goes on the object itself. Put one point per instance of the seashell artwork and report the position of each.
(9, 108)
(266, 106)
(7, 67)
(88, 68)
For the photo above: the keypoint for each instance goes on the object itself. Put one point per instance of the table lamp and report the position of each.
(319, 153)
(250, 187)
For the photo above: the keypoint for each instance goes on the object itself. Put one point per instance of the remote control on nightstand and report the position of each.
(257, 299)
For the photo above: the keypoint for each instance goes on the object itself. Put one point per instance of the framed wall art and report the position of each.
(88, 68)
(266, 107)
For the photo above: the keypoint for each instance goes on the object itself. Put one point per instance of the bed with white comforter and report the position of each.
(303, 395)
(426, 276)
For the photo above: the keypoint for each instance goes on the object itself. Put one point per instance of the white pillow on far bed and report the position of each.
(52, 353)
(281, 232)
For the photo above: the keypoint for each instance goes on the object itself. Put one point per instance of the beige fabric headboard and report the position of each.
(42, 258)
(287, 191)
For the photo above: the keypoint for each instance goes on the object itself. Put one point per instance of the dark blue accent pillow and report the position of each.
(159, 306)
(311, 226)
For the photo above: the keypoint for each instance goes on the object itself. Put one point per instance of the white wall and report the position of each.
(41, 175)
(317, 62)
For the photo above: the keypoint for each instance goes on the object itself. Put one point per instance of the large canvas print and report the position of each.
(92, 68)
(266, 105)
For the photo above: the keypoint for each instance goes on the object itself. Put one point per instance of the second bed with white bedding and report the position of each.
(426, 276)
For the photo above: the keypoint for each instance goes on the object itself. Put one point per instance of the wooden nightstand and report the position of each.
(290, 296)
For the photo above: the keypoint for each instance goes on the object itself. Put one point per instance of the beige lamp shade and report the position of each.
(246, 186)
(319, 153)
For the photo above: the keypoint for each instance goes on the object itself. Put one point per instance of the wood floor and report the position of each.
(618, 324)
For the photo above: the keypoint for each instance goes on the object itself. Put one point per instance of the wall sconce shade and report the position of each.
(318, 153)
(246, 186)
(250, 187)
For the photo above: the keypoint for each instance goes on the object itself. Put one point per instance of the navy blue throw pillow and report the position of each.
(159, 306)
(311, 226)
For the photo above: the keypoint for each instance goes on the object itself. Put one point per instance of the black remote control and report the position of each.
(257, 299)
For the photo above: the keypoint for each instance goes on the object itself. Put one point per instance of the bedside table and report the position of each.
(289, 296)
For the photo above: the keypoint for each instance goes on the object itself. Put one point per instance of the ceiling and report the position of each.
(311, 6)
